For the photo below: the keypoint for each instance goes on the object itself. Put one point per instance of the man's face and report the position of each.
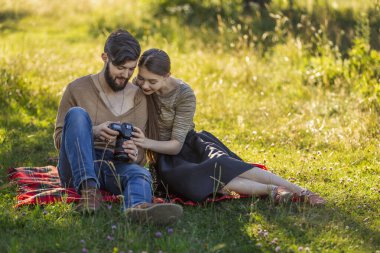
(118, 77)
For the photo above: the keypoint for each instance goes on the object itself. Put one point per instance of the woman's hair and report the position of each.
(158, 62)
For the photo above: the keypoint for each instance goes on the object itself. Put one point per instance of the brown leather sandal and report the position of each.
(281, 195)
(313, 199)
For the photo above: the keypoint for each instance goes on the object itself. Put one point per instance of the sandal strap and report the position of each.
(281, 194)
(306, 196)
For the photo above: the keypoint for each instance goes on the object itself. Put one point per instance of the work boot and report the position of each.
(90, 200)
(158, 214)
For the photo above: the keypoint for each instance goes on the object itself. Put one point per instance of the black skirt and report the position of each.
(203, 167)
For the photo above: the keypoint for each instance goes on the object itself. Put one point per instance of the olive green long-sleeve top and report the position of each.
(86, 93)
(176, 112)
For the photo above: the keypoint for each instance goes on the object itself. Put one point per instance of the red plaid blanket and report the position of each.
(41, 185)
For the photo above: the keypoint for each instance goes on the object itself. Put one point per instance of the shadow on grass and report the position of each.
(322, 228)
(57, 228)
(230, 226)
(54, 228)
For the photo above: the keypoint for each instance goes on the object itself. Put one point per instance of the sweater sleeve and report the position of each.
(184, 115)
(67, 101)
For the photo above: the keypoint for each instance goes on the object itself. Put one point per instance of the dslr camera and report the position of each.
(125, 133)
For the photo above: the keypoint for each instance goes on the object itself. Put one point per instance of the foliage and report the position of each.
(259, 26)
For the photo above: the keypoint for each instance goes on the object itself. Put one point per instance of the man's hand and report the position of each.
(131, 149)
(104, 133)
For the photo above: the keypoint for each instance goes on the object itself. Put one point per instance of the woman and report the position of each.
(193, 164)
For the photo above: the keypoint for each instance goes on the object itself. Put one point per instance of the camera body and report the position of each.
(125, 133)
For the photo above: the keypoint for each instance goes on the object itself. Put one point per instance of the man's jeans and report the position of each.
(79, 162)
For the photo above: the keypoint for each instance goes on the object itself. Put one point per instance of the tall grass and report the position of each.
(276, 85)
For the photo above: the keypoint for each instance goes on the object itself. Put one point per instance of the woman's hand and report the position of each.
(139, 138)
(104, 133)
(171, 147)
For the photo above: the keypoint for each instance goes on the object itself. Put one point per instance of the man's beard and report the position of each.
(111, 82)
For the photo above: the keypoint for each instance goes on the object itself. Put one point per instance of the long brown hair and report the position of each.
(158, 62)
(152, 128)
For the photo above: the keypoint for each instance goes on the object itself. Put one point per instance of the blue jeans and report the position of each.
(79, 162)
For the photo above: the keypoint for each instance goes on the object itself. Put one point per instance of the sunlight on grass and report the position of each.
(294, 88)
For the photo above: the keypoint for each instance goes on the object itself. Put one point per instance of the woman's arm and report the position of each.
(184, 108)
(171, 147)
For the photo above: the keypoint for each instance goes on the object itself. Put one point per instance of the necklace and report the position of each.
(109, 101)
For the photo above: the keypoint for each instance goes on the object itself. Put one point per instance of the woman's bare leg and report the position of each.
(247, 186)
(257, 175)
(261, 182)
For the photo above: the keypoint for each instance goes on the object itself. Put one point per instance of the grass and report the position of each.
(304, 108)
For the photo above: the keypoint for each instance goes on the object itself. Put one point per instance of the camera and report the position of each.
(125, 133)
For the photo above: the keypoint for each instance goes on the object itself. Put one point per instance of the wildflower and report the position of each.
(84, 250)
(110, 238)
(259, 245)
(170, 231)
(113, 227)
(300, 248)
(44, 212)
(158, 234)
(82, 241)
(277, 249)
(109, 207)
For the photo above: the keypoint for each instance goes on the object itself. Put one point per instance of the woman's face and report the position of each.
(150, 82)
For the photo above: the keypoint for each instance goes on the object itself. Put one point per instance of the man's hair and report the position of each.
(121, 47)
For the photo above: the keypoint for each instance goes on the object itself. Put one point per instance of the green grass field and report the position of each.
(295, 87)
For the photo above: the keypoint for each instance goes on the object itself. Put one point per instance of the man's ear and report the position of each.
(104, 57)
(167, 75)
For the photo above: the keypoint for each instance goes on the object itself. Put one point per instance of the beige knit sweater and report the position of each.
(85, 92)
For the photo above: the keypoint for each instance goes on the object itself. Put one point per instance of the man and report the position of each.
(86, 142)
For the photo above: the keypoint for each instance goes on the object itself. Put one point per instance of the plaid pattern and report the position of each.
(41, 185)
